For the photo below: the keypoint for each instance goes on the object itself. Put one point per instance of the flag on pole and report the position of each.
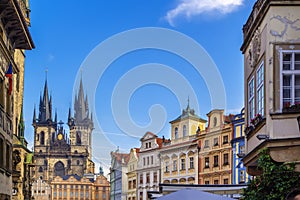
(9, 75)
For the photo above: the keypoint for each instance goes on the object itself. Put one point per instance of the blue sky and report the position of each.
(66, 32)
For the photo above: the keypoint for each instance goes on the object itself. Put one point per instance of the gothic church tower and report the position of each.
(81, 127)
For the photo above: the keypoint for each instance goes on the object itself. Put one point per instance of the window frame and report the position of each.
(260, 86)
(251, 98)
(291, 72)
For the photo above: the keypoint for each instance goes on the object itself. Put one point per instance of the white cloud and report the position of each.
(189, 8)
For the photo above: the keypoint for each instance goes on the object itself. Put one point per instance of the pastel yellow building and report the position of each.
(132, 174)
(215, 150)
(179, 156)
(75, 187)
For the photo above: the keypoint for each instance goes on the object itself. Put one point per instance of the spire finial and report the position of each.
(46, 73)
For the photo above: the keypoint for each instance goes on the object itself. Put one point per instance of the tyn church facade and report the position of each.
(55, 152)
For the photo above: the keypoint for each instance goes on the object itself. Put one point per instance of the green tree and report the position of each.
(275, 182)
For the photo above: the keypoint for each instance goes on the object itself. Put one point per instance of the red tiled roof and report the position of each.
(120, 156)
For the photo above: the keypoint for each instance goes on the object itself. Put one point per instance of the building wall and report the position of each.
(268, 35)
(148, 168)
(239, 174)
(132, 175)
(215, 145)
(13, 30)
(84, 188)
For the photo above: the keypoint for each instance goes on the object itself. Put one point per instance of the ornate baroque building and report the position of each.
(14, 40)
(215, 153)
(179, 157)
(56, 153)
(75, 187)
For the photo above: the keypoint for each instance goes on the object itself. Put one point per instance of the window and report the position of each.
(42, 138)
(155, 177)
(216, 142)
(151, 160)
(216, 182)
(141, 195)
(225, 159)
(149, 144)
(251, 102)
(129, 185)
(184, 130)
(147, 178)
(134, 184)
(290, 78)
(103, 196)
(225, 139)
(191, 162)
(54, 194)
(242, 149)
(167, 166)
(216, 161)
(242, 176)
(40, 169)
(260, 89)
(182, 164)
(146, 145)
(1, 93)
(141, 178)
(174, 165)
(176, 133)
(225, 181)
(65, 194)
(8, 157)
(148, 161)
(206, 182)
(87, 194)
(144, 161)
(206, 162)
(1, 152)
(206, 143)
(81, 194)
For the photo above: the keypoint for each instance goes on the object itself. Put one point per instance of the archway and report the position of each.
(59, 169)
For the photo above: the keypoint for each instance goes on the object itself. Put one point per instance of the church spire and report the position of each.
(81, 105)
(45, 105)
(34, 116)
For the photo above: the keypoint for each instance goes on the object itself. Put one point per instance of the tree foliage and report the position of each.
(275, 182)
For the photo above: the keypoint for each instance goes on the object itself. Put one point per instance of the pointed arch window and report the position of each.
(78, 138)
(59, 169)
(184, 131)
(40, 169)
(176, 133)
(42, 138)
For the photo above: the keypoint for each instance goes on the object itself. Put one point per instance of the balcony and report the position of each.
(15, 24)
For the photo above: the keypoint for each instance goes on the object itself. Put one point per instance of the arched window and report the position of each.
(176, 133)
(40, 169)
(59, 169)
(78, 162)
(37, 137)
(78, 138)
(42, 138)
(184, 131)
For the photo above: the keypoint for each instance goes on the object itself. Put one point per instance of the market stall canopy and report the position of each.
(189, 194)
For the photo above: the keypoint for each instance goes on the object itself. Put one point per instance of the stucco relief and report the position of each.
(254, 50)
(285, 27)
